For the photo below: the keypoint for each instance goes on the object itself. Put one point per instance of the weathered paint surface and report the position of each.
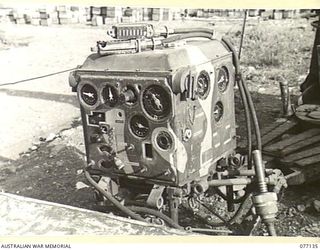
(26, 217)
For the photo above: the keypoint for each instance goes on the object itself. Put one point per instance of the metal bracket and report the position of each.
(109, 185)
(155, 198)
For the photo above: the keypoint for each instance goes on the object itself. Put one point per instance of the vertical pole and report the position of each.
(242, 32)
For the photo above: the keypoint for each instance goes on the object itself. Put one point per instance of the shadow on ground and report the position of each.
(51, 173)
(70, 99)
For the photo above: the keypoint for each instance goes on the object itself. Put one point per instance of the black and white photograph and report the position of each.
(149, 121)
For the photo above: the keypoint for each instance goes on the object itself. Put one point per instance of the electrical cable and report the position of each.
(182, 36)
(35, 78)
(157, 214)
(112, 199)
(248, 124)
(247, 94)
(253, 114)
(244, 100)
(239, 211)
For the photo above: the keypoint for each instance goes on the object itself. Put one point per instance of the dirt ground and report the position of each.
(52, 170)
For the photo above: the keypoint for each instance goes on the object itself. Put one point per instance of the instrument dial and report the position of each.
(223, 79)
(139, 126)
(110, 95)
(164, 140)
(203, 84)
(156, 102)
(218, 111)
(89, 94)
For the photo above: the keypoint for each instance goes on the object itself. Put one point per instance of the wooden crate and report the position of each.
(277, 15)
(35, 21)
(253, 13)
(97, 20)
(46, 22)
(288, 14)
(63, 8)
(128, 19)
(20, 21)
(64, 21)
(95, 10)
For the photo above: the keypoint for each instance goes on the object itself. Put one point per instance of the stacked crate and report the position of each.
(4, 15)
(288, 14)
(232, 13)
(167, 15)
(147, 14)
(157, 14)
(253, 12)
(84, 12)
(27, 17)
(267, 14)
(20, 18)
(111, 14)
(96, 18)
(211, 13)
(177, 14)
(45, 19)
(277, 14)
(64, 14)
(35, 18)
(128, 15)
(137, 14)
(13, 16)
(54, 15)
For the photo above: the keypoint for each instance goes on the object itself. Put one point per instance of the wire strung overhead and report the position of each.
(35, 78)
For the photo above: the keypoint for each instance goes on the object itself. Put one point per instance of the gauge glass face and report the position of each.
(139, 126)
(164, 140)
(218, 111)
(223, 79)
(89, 94)
(110, 95)
(156, 102)
(203, 84)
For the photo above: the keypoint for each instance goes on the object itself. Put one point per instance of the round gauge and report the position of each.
(164, 140)
(203, 84)
(223, 79)
(89, 94)
(156, 102)
(139, 126)
(110, 95)
(218, 111)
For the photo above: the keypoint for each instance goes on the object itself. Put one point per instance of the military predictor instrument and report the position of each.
(157, 108)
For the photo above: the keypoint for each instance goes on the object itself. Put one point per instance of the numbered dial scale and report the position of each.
(218, 111)
(156, 102)
(223, 79)
(139, 126)
(89, 94)
(203, 84)
(110, 95)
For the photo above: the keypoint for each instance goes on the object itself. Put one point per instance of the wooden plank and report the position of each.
(300, 145)
(270, 127)
(308, 161)
(21, 216)
(292, 140)
(301, 155)
(278, 131)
